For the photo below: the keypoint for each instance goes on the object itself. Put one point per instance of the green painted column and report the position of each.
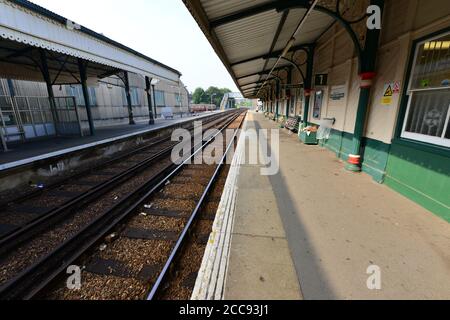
(289, 101)
(308, 86)
(277, 108)
(367, 74)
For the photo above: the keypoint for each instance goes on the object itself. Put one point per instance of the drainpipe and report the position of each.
(367, 74)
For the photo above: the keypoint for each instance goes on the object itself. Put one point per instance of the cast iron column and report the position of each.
(154, 102)
(308, 86)
(289, 101)
(48, 82)
(128, 95)
(277, 108)
(148, 89)
(367, 74)
(87, 101)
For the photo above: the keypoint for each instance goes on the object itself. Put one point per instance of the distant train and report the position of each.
(198, 108)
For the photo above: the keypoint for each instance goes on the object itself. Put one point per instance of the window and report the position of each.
(135, 98)
(428, 111)
(178, 99)
(318, 100)
(134, 95)
(159, 97)
(77, 92)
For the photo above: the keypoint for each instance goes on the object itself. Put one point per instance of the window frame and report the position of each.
(322, 94)
(163, 94)
(409, 95)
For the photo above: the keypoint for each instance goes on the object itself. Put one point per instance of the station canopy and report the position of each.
(27, 30)
(249, 35)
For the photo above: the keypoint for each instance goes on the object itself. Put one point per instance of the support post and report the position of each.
(128, 95)
(308, 86)
(48, 82)
(154, 102)
(289, 101)
(148, 89)
(367, 74)
(277, 108)
(87, 100)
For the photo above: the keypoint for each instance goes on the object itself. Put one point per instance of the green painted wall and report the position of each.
(375, 158)
(375, 152)
(421, 175)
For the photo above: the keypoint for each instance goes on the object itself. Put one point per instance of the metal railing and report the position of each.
(25, 118)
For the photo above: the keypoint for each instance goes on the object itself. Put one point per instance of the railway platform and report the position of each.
(315, 230)
(26, 153)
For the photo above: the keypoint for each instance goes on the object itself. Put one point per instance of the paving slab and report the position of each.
(313, 231)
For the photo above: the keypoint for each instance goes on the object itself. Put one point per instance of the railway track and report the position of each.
(24, 211)
(133, 255)
(34, 255)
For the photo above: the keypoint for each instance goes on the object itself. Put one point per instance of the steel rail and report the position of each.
(28, 283)
(36, 193)
(156, 287)
(33, 227)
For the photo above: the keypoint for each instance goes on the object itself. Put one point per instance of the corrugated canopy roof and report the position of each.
(26, 27)
(245, 32)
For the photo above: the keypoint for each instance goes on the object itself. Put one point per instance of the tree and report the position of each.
(199, 96)
(216, 94)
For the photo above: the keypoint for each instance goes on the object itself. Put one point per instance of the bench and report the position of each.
(292, 124)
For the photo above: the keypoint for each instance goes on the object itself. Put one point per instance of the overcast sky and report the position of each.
(161, 29)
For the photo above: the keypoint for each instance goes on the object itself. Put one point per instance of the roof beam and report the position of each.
(262, 73)
(274, 54)
(255, 82)
(279, 5)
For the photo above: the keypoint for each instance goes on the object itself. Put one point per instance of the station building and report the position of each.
(50, 66)
(108, 99)
(383, 95)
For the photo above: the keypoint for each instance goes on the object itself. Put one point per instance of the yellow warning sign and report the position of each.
(388, 94)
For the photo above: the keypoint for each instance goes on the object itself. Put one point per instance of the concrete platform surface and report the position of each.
(24, 153)
(330, 226)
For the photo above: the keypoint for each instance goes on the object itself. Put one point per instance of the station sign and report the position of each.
(390, 89)
(338, 93)
(321, 79)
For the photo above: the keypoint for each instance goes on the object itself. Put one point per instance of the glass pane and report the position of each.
(21, 103)
(25, 117)
(432, 68)
(5, 103)
(37, 117)
(428, 112)
(9, 118)
(317, 110)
